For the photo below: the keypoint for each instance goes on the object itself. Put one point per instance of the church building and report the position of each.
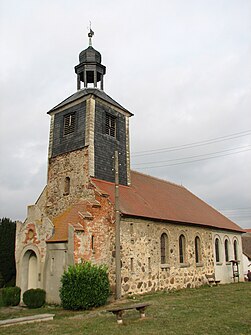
(169, 238)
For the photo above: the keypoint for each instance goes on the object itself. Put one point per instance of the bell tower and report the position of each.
(90, 70)
(86, 129)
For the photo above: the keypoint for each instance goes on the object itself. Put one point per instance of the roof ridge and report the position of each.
(159, 179)
(213, 208)
(110, 182)
(84, 92)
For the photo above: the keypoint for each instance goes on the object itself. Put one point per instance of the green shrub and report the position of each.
(84, 286)
(11, 296)
(34, 298)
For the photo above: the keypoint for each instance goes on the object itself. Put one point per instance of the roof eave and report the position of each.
(57, 241)
(81, 98)
(178, 222)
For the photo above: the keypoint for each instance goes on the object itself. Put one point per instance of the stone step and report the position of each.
(27, 319)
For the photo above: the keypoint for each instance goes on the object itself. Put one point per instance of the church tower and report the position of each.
(86, 129)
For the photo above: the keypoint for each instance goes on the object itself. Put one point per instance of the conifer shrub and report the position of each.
(1, 297)
(11, 296)
(7, 249)
(34, 298)
(84, 286)
(1, 280)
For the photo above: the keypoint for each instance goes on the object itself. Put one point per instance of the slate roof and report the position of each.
(86, 91)
(153, 198)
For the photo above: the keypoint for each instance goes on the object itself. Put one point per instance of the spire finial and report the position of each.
(90, 34)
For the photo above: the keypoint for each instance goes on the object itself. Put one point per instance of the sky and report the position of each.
(183, 68)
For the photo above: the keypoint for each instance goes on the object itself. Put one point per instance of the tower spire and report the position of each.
(90, 34)
(90, 71)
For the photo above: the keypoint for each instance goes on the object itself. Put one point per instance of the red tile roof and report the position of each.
(153, 198)
(70, 216)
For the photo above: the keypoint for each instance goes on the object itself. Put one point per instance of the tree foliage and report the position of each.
(84, 286)
(7, 251)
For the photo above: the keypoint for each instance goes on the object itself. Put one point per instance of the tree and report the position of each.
(7, 251)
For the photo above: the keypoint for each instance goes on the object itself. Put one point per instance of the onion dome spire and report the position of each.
(90, 71)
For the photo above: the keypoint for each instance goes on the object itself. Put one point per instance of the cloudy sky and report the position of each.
(182, 67)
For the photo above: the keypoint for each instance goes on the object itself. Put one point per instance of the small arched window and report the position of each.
(182, 247)
(92, 243)
(235, 250)
(217, 250)
(163, 248)
(197, 250)
(226, 251)
(67, 185)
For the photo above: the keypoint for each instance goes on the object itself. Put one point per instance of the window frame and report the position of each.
(182, 249)
(235, 246)
(217, 250)
(69, 123)
(226, 249)
(110, 125)
(163, 248)
(67, 185)
(197, 245)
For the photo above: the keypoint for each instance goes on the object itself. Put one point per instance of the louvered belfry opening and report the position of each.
(110, 125)
(69, 123)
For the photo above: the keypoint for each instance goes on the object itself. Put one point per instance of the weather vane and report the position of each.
(90, 34)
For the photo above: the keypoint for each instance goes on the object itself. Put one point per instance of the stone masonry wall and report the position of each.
(31, 236)
(142, 270)
(95, 242)
(73, 165)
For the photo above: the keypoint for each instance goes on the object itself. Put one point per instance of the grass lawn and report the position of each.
(225, 309)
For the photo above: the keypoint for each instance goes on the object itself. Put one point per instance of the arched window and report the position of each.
(67, 185)
(235, 250)
(182, 247)
(197, 250)
(217, 250)
(92, 243)
(226, 251)
(163, 248)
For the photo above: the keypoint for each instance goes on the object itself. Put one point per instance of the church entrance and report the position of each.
(30, 270)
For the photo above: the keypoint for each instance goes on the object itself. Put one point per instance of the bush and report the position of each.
(34, 298)
(84, 286)
(11, 296)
